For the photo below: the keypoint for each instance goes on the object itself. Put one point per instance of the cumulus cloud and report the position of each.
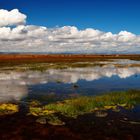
(67, 39)
(13, 17)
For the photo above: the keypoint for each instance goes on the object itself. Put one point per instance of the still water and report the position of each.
(112, 75)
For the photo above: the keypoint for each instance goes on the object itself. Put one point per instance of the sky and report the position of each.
(70, 26)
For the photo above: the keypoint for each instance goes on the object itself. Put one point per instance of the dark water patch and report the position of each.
(83, 87)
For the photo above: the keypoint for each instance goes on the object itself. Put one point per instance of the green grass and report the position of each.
(80, 105)
(84, 104)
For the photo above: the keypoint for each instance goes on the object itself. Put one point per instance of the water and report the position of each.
(21, 117)
(116, 75)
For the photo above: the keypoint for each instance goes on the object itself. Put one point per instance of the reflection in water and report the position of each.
(14, 85)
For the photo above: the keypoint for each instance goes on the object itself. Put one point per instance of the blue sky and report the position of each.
(106, 15)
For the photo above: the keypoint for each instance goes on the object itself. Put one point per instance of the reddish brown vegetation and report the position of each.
(61, 57)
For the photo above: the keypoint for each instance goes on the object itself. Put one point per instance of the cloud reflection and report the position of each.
(14, 85)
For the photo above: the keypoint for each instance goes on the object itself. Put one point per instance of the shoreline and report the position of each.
(11, 58)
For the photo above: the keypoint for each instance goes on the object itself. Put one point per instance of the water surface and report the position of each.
(115, 75)
(26, 91)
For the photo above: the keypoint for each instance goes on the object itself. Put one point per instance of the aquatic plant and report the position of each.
(39, 111)
(87, 104)
(54, 120)
(81, 105)
(8, 108)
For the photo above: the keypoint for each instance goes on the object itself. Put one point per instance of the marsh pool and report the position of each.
(105, 76)
(74, 101)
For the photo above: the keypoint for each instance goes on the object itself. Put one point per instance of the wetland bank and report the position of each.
(87, 99)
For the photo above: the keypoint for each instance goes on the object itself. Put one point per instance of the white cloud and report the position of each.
(67, 39)
(13, 17)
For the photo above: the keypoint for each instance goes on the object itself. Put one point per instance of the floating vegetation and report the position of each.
(41, 120)
(101, 114)
(81, 105)
(73, 107)
(51, 119)
(40, 111)
(34, 103)
(6, 109)
(54, 120)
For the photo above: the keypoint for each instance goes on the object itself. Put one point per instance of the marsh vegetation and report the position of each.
(78, 106)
